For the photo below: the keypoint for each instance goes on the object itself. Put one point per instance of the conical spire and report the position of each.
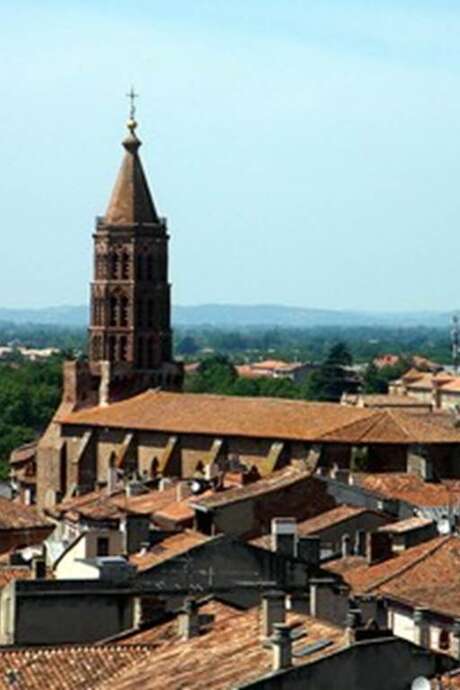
(131, 201)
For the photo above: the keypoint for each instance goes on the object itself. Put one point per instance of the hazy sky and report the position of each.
(305, 152)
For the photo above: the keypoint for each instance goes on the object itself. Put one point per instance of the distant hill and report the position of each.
(240, 316)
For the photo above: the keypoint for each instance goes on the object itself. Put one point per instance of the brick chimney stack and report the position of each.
(273, 611)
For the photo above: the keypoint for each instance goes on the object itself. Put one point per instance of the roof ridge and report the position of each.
(408, 566)
(370, 415)
(391, 413)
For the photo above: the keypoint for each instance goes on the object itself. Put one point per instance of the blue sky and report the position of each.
(305, 152)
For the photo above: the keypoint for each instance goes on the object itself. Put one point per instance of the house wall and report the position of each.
(69, 565)
(61, 612)
(223, 563)
(369, 665)
(331, 537)
(252, 516)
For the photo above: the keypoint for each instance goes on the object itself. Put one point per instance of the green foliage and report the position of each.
(29, 395)
(331, 379)
(376, 380)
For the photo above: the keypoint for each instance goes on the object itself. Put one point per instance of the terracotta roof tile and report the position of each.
(364, 578)
(410, 488)
(276, 418)
(66, 668)
(169, 548)
(228, 654)
(14, 516)
(408, 525)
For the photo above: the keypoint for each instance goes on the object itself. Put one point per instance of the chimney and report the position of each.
(38, 569)
(308, 550)
(378, 547)
(323, 599)
(421, 628)
(282, 646)
(346, 546)
(354, 621)
(284, 532)
(189, 620)
(360, 542)
(183, 491)
(273, 611)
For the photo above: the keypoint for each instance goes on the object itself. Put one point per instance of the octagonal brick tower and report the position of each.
(130, 327)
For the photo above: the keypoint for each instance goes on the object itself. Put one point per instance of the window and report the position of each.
(102, 547)
(123, 348)
(124, 311)
(149, 267)
(113, 311)
(114, 264)
(112, 348)
(125, 266)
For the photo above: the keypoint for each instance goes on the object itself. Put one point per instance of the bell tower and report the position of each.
(130, 326)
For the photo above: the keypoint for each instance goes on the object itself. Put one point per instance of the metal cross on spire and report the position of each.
(132, 95)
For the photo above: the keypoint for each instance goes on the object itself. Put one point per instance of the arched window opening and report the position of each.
(112, 348)
(114, 265)
(149, 267)
(125, 266)
(139, 310)
(124, 311)
(140, 267)
(150, 313)
(123, 348)
(113, 310)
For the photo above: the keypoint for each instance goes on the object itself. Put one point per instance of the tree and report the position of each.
(188, 346)
(331, 379)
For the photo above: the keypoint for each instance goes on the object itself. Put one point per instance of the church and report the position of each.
(122, 409)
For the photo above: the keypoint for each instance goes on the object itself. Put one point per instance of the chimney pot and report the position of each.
(284, 536)
(189, 620)
(282, 646)
(273, 611)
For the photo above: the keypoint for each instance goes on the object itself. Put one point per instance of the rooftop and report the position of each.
(220, 415)
(410, 488)
(426, 575)
(228, 653)
(66, 668)
(170, 547)
(17, 516)
(408, 525)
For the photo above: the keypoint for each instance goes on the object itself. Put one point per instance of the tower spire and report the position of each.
(131, 201)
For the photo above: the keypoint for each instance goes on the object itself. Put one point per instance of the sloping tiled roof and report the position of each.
(276, 418)
(17, 516)
(314, 525)
(274, 482)
(432, 581)
(66, 668)
(99, 505)
(228, 654)
(410, 488)
(330, 518)
(364, 578)
(169, 548)
(220, 415)
(402, 526)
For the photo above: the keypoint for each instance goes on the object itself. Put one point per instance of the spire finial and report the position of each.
(132, 124)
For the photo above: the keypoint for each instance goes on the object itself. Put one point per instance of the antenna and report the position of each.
(455, 340)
